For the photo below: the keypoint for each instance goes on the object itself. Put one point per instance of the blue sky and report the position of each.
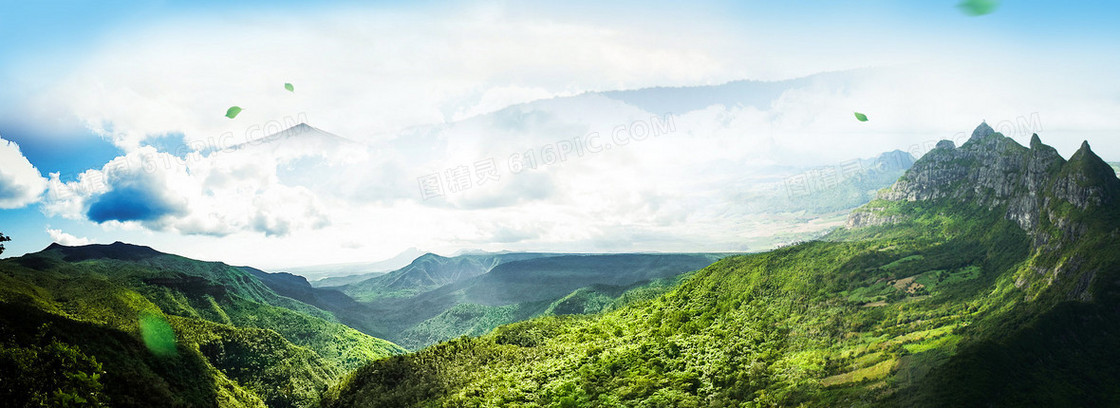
(91, 84)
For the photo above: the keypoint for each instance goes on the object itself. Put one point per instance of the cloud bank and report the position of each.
(217, 194)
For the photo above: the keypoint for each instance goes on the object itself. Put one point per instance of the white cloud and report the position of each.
(66, 239)
(21, 184)
(222, 193)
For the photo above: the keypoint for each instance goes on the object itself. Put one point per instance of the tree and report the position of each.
(3, 238)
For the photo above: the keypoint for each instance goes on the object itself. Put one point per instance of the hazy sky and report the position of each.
(109, 112)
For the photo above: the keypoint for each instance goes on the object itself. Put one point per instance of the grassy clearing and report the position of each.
(874, 372)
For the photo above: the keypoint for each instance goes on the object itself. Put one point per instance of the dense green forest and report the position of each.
(121, 325)
(985, 277)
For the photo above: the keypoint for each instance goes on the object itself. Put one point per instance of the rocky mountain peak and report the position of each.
(1091, 165)
(1087, 181)
(993, 171)
(982, 131)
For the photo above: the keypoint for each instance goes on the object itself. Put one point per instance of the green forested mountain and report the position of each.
(123, 325)
(987, 275)
(439, 298)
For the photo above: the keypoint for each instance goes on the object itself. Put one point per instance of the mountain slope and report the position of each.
(986, 276)
(347, 310)
(233, 341)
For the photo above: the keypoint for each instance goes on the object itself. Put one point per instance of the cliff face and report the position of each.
(994, 171)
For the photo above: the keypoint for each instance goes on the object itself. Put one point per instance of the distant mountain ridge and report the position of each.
(437, 298)
(759, 94)
(430, 271)
(343, 273)
(116, 250)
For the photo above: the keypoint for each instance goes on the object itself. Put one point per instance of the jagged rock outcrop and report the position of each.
(1086, 180)
(1065, 207)
(994, 171)
(870, 217)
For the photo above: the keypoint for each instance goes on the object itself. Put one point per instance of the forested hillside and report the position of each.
(122, 325)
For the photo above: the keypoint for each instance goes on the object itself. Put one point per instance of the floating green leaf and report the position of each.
(861, 117)
(157, 334)
(978, 7)
(289, 87)
(233, 111)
